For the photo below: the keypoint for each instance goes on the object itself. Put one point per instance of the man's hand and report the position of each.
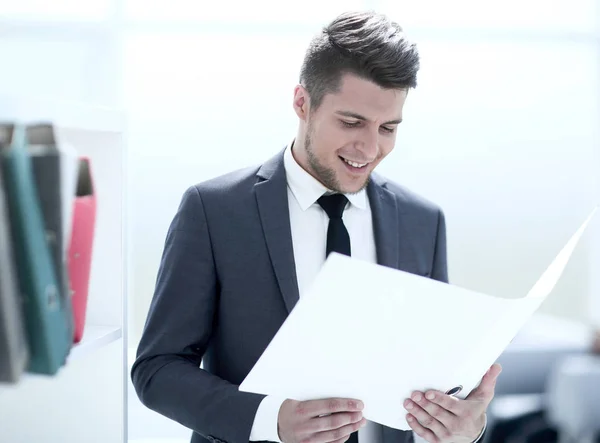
(440, 418)
(319, 421)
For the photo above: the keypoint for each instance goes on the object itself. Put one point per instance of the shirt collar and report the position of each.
(307, 189)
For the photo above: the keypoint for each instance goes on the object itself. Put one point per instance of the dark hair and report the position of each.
(366, 44)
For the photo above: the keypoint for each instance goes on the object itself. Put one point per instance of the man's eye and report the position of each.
(388, 130)
(349, 124)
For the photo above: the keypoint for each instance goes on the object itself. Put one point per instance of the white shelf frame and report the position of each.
(95, 337)
(80, 124)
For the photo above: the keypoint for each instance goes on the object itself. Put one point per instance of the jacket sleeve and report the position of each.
(439, 269)
(166, 374)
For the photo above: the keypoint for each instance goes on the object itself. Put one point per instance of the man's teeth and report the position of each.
(356, 165)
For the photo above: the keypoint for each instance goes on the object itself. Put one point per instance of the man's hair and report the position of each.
(365, 44)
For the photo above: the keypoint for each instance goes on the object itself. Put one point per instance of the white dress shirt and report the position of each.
(309, 224)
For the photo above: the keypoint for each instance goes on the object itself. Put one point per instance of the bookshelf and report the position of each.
(86, 400)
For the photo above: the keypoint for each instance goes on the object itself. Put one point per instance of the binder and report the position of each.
(47, 331)
(47, 164)
(81, 244)
(14, 353)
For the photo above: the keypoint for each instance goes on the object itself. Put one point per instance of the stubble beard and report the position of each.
(324, 174)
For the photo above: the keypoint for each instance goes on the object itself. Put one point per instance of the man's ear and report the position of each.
(301, 102)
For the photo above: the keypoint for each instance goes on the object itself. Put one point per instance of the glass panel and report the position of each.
(530, 15)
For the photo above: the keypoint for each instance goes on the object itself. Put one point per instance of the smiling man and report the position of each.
(341, 141)
(244, 247)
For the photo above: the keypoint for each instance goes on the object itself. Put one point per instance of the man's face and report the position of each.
(350, 132)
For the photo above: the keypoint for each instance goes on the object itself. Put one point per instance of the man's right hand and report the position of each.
(319, 421)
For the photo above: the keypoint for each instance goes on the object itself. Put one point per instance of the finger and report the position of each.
(315, 408)
(420, 430)
(445, 401)
(485, 390)
(336, 434)
(435, 409)
(333, 421)
(427, 421)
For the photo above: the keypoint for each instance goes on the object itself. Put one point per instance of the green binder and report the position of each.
(14, 351)
(47, 165)
(45, 319)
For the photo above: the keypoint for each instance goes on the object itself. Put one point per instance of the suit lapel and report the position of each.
(391, 226)
(272, 200)
(385, 223)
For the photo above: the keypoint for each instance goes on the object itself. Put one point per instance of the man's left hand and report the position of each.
(441, 418)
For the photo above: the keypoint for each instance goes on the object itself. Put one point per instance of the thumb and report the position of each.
(487, 386)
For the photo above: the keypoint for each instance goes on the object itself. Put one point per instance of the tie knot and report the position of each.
(333, 204)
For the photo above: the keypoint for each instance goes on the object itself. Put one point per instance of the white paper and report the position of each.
(69, 166)
(377, 334)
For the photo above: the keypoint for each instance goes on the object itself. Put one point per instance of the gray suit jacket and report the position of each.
(227, 282)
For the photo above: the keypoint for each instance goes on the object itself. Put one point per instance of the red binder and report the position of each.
(81, 245)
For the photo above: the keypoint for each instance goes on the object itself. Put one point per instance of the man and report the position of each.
(243, 248)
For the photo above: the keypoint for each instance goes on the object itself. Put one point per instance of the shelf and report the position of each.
(83, 401)
(64, 114)
(94, 337)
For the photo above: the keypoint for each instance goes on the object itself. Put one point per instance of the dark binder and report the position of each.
(14, 353)
(47, 171)
(47, 331)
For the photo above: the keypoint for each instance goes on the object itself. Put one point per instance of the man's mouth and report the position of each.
(354, 164)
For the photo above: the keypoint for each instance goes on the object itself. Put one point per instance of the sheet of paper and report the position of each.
(369, 332)
(69, 168)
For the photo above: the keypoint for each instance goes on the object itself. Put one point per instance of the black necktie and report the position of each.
(338, 239)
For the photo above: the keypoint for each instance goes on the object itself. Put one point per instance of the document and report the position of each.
(377, 334)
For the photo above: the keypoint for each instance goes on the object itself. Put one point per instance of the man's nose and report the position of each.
(370, 145)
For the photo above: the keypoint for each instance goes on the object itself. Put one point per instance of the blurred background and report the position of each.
(502, 131)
